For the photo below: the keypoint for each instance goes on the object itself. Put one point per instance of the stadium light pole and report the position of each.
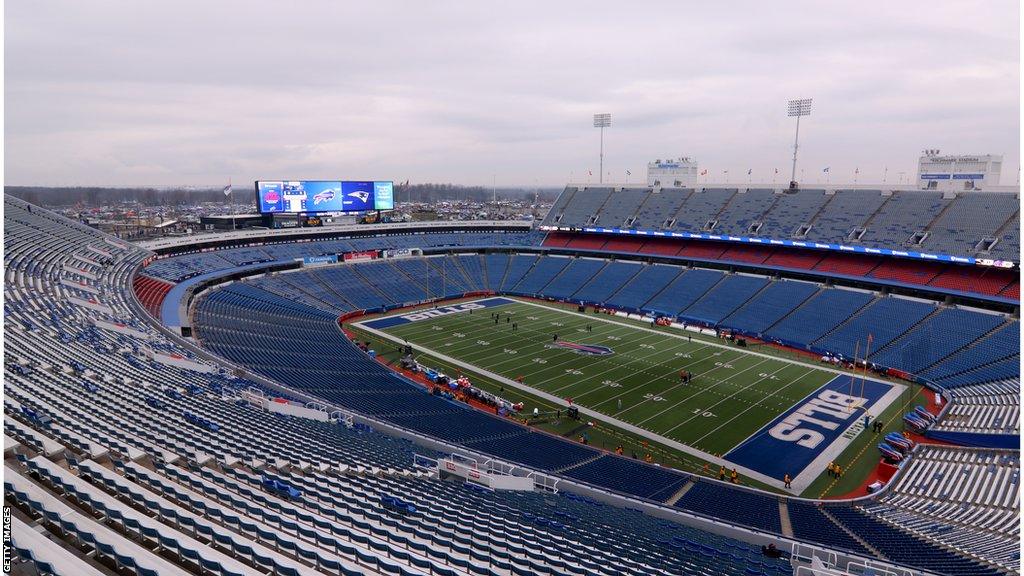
(602, 121)
(798, 108)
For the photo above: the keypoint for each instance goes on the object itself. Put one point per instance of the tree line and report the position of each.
(95, 196)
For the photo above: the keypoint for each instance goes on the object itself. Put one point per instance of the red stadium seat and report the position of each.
(849, 264)
(907, 271)
(973, 279)
(805, 260)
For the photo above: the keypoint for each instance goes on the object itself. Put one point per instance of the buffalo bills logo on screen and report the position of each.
(584, 349)
(325, 196)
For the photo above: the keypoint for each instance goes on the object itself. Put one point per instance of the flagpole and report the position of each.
(232, 204)
(864, 376)
(853, 377)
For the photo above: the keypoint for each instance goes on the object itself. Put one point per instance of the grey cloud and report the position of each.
(127, 92)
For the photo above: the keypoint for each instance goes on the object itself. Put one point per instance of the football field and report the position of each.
(630, 373)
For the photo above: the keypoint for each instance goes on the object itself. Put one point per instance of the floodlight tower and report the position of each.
(602, 121)
(798, 108)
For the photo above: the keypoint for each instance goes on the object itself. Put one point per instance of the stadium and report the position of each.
(342, 288)
(650, 380)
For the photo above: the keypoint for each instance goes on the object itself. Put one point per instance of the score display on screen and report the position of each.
(297, 196)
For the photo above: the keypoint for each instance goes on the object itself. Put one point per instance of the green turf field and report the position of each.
(732, 395)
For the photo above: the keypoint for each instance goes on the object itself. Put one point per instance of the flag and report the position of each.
(725, 171)
(750, 171)
(704, 172)
(227, 190)
(856, 170)
(826, 168)
(591, 172)
(628, 173)
(776, 170)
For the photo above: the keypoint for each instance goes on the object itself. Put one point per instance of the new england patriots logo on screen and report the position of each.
(584, 349)
(362, 195)
(325, 196)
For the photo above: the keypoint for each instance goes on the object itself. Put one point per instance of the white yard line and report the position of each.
(592, 413)
(800, 482)
(604, 318)
(627, 391)
(752, 406)
(569, 356)
(745, 388)
(814, 469)
(644, 371)
(697, 391)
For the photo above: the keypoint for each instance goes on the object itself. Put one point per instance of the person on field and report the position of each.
(734, 477)
(787, 480)
(721, 473)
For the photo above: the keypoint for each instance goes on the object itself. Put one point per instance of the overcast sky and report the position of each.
(197, 92)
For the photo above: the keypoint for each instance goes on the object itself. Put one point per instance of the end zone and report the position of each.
(800, 441)
(400, 319)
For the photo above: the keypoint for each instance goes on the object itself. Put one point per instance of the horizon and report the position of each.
(447, 92)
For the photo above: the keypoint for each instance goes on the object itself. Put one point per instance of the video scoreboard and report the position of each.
(316, 196)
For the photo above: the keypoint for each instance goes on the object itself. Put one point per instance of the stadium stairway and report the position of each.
(809, 222)
(770, 290)
(419, 279)
(596, 216)
(785, 523)
(925, 330)
(860, 311)
(938, 217)
(89, 409)
(603, 286)
(850, 533)
(671, 500)
(470, 281)
(370, 284)
(895, 342)
(728, 295)
(579, 464)
(329, 290)
(883, 207)
(315, 297)
(1012, 222)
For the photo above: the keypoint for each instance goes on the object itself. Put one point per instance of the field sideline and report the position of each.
(636, 381)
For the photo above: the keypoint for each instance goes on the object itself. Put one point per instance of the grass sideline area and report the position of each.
(602, 435)
(625, 372)
(740, 393)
